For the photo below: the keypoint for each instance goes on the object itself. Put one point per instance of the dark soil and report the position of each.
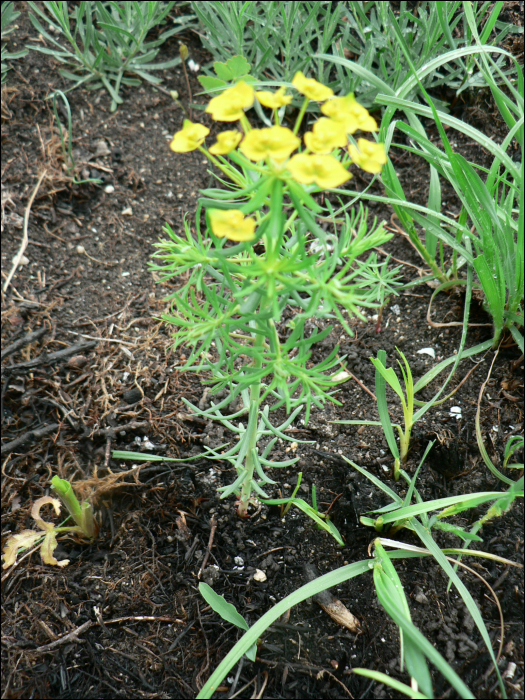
(149, 633)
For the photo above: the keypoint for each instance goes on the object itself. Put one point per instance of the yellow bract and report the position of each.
(229, 106)
(311, 88)
(370, 157)
(231, 224)
(350, 113)
(190, 138)
(326, 171)
(278, 142)
(326, 135)
(226, 142)
(273, 100)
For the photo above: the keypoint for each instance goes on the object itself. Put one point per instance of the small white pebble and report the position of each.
(23, 260)
(125, 274)
(109, 189)
(259, 576)
(80, 249)
(239, 561)
(127, 212)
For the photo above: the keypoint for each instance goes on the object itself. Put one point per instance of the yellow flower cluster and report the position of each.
(317, 165)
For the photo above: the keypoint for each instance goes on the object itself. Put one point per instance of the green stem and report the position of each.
(301, 115)
(226, 171)
(251, 429)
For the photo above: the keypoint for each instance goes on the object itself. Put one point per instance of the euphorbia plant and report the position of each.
(263, 250)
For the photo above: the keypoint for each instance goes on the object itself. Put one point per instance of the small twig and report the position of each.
(435, 324)
(30, 436)
(26, 340)
(111, 432)
(25, 237)
(403, 262)
(210, 545)
(103, 340)
(70, 637)
(358, 382)
(189, 88)
(331, 605)
(108, 453)
(45, 359)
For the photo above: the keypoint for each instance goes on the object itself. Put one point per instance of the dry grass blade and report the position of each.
(25, 237)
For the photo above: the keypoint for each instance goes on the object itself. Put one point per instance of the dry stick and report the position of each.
(189, 88)
(103, 340)
(25, 237)
(26, 340)
(210, 544)
(434, 324)
(27, 437)
(47, 359)
(70, 637)
(358, 381)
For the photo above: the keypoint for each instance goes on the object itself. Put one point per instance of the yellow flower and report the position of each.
(230, 104)
(348, 111)
(273, 100)
(311, 88)
(326, 135)
(190, 138)
(231, 224)
(226, 142)
(370, 157)
(277, 142)
(326, 171)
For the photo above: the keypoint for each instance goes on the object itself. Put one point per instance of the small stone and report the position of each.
(109, 189)
(340, 376)
(80, 249)
(23, 260)
(259, 576)
(101, 149)
(421, 598)
(127, 212)
(132, 395)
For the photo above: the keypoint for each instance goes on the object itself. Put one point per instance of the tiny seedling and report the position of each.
(322, 521)
(46, 536)
(228, 612)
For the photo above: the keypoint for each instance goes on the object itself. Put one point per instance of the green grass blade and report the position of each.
(433, 548)
(333, 578)
(391, 682)
(382, 406)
